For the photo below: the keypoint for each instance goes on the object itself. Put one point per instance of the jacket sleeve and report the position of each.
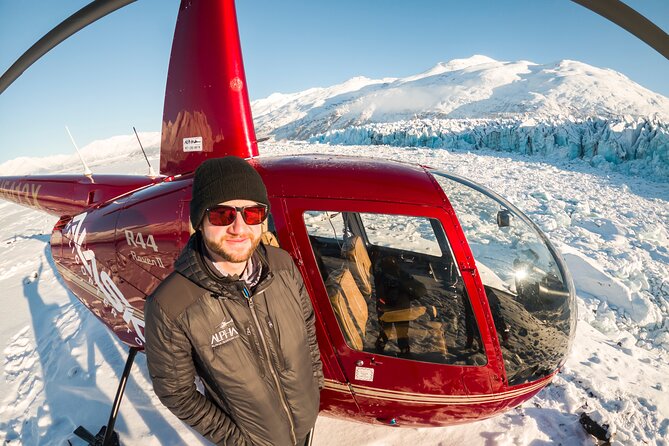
(170, 363)
(310, 320)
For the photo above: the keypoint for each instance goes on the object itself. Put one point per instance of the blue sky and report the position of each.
(111, 76)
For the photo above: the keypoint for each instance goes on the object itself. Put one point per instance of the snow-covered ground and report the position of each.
(61, 367)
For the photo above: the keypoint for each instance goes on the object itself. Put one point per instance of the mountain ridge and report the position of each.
(478, 87)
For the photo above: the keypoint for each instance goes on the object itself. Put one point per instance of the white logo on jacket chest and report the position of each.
(225, 332)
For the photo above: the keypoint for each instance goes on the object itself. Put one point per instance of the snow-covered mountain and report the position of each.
(569, 108)
(474, 88)
(103, 151)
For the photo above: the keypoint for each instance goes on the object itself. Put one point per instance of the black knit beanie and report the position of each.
(218, 180)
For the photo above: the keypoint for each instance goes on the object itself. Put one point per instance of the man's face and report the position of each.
(233, 243)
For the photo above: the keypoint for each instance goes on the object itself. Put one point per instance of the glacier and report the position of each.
(638, 146)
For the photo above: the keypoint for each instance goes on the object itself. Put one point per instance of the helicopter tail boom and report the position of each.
(68, 194)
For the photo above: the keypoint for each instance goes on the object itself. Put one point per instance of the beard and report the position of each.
(234, 256)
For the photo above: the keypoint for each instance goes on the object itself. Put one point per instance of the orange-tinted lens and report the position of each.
(254, 215)
(222, 215)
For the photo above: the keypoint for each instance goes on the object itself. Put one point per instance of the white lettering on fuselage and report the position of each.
(137, 240)
(101, 279)
(147, 260)
(25, 194)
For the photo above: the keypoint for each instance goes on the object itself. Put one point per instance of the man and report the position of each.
(235, 314)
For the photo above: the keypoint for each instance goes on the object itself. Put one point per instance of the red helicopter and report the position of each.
(437, 301)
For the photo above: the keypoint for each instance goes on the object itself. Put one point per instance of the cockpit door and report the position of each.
(401, 312)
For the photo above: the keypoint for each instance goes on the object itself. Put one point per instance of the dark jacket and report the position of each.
(257, 356)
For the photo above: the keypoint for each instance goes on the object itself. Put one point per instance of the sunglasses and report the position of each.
(223, 215)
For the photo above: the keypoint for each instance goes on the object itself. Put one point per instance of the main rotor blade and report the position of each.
(80, 19)
(631, 21)
(613, 10)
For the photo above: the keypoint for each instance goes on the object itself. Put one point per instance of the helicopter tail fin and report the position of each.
(207, 111)
(68, 194)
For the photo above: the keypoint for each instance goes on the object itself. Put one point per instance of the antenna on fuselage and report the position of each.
(87, 171)
(151, 171)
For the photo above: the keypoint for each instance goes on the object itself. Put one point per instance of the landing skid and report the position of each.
(106, 436)
(99, 438)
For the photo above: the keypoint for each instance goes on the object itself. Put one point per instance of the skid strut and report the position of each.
(106, 436)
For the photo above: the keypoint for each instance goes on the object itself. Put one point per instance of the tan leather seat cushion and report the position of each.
(361, 265)
(429, 335)
(269, 239)
(349, 305)
(408, 314)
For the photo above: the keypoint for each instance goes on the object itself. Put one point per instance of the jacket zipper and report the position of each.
(272, 370)
(275, 338)
(255, 348)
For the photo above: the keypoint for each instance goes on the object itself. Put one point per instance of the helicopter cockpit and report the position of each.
(397, 290)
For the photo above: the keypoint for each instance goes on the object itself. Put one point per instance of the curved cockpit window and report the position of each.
(394, 286)
(530, 296)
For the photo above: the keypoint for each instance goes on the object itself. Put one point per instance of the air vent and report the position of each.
(62, 222)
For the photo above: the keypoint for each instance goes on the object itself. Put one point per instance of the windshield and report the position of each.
(527, 285)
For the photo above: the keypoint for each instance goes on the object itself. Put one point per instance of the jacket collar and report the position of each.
(193, 265)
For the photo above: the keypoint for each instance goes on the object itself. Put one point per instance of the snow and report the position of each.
(639, 146)
(591, 280)
(480, 102)
(475, 88)
(61, 366)
(101, 152)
